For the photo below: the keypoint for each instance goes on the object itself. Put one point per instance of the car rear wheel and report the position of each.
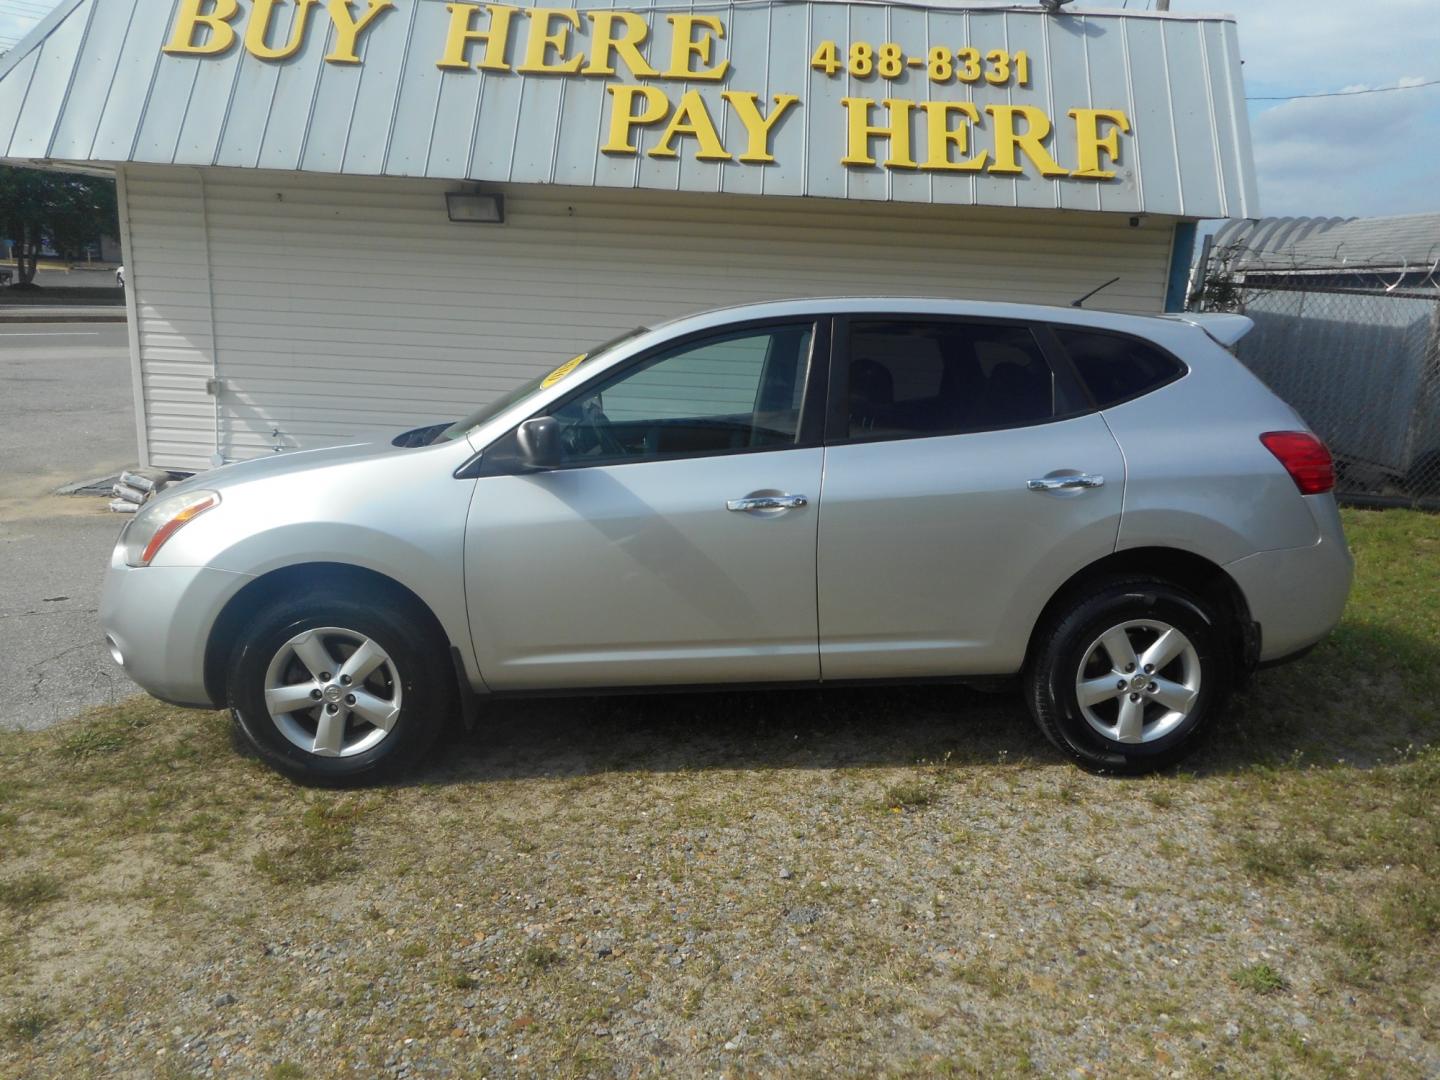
(1128, 678)
(331, 691)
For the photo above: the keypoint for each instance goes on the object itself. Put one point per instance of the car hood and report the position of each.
(284, 464)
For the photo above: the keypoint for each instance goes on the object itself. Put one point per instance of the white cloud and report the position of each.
(1372, 154)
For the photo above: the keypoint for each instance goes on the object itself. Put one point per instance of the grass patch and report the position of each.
(1279, 860)
(540, 957)
(26, 1025)
(107, 734)
(910, 795)
(320, 849)
(1259, 978)
(24, 894)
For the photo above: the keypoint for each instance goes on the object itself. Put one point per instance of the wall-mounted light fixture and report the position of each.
(475, 208)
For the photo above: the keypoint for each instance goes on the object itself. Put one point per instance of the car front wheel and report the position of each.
(1129, 678)
(331, 691)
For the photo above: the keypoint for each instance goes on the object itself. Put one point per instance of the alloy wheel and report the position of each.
(1138, 681)
(333, 692)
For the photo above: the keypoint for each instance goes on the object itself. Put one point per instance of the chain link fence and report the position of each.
(1356, 351)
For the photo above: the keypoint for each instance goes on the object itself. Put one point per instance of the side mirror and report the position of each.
(539, 439)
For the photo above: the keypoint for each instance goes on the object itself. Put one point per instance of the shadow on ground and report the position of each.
(1354, 700)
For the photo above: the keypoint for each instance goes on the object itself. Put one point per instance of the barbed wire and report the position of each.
(1352, 343)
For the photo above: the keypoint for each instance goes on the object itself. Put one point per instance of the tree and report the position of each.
(1218, 289)
(66, 210)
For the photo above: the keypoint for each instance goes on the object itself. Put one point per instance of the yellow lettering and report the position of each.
(258, 30)
(683, 45)
(692, 118)
(1091, 143)
(757, 127)
(623, 116)
(940, 136)
(542, 39)
(348, 28)
(627, 43)
(190, 18)
(462, 32)
(896, 132)
(1029, 141)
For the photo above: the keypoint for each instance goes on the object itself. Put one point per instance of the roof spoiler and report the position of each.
(1224, 330)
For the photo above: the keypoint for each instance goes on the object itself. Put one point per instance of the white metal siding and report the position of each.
(167, 274)
(346, 307)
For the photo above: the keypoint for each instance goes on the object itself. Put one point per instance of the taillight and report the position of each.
(1305, 458)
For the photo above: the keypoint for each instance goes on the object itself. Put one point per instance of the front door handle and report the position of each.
(767, 502)
(1065, 483)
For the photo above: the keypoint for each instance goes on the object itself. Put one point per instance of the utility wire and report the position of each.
(1347, 93)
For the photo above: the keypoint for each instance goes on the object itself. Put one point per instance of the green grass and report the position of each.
(1259, 978)
(319, 848)
(29, 891)
(26, 1026)
(910, 795)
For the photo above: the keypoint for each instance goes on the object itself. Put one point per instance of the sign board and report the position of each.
(998, 106)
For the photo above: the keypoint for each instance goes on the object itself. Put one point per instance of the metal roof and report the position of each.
(92, 83)
(1404, 242)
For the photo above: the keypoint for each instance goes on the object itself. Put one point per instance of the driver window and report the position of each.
(734, 392)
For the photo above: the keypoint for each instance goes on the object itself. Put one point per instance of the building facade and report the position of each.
(298, 276)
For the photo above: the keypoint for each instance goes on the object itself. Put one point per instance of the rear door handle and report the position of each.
(1065, 483)
(767, 502)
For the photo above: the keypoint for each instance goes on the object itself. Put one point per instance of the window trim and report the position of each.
(1053, 330)
(808, 433)
(1067, 389)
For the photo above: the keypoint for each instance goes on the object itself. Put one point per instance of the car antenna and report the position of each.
(1092, 292)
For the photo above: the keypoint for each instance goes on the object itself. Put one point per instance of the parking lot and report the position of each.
(66, 414)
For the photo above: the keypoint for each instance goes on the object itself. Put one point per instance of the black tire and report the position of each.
(1061, 647)
(411, 642)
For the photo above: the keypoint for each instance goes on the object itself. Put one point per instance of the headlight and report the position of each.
(161, 519)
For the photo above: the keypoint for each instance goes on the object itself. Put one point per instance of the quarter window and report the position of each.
(1115, 367)
(917, 378)
(733, 392)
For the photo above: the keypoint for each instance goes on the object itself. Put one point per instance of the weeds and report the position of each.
(910, 795)
(27, 1025)
(1259, 978)
(28, 892)
(540, 957)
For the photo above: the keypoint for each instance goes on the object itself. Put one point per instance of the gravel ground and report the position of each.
(901, 883)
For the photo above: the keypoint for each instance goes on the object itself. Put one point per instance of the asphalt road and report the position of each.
(66, 414)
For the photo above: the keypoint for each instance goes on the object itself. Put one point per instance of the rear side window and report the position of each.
(1116, 367)
(913, 378)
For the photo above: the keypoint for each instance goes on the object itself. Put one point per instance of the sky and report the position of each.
(1366, 155)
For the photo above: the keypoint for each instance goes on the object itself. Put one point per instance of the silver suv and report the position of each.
(1109, 507)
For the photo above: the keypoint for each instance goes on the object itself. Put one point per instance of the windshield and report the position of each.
(540, 382)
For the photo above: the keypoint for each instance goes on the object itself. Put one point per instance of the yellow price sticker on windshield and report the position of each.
(561, 371)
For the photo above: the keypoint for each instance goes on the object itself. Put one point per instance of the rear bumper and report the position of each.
(157, 622)
(1296, 595)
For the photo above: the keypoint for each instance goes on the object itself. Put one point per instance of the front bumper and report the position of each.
(157, 622)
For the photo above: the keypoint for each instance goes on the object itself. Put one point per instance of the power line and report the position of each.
(1347, 93)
